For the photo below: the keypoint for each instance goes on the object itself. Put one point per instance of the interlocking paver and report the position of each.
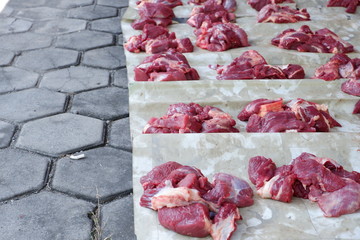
(84, 40)
(12, 79)
(75, 79)
(59, 26)
(6, 133)
(6, 57)
(121, 40)
(104, 171)
(114, 3)
(26, 4)
(118, 219)
(14, 25)
(7, 11)
(20, 41)
(47, 59)
(92, 12)
(119, 135)
(21, 172)
(68, 3)
(108, 57)
(31, 103)
(61, 134)
(106, 103)
(120, 78)
(46, 216)
(41, 13)
(111, 25)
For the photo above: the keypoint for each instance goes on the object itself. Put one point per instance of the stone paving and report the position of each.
(63, 92)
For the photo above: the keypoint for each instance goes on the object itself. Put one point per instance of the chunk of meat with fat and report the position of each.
(155, 14)
(230, 189)
(170, 3)
(282, 14)
(221, 36)
(260, 169)
(357, 108)
(225, 222)
(260, 107)
(259, 4)
(350, 5)
(229, 5)
(351, 86)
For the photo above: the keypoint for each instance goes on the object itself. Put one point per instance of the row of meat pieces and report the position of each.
(189, 204)
(262, 115)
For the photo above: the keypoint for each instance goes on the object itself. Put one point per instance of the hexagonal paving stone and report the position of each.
(6, 57)
(46, 59)
(21, 172)
(92, 12)
(118, 219)
(31, 103)
(46, 216)
(105, 103)
(41, 13)
(24, 41)
(119, 135)
(26, 4)
(120, 78)
(111, 25)
(59, 26)
(13, 25)
(113, 3)
(68, 3)
(61, 134)
(75, 79)
(7, 11)
(108, 57)
(121, 40)
(12, 79)
(84, 40)
(6, 133)
(104, 172)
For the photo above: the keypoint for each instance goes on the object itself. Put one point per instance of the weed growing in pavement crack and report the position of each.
(97, 227)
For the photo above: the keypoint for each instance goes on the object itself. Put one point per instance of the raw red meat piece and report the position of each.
(169, 66)
(157, 39)
(260, 107)
(260, 169)
(350, 5)
(351, 87)
(357, 108)
(230, 189)
(277, 122)
(315, 115)
(225, 222)
(259, 4)
(337, 169)
(229, 5)
(153, 13)
(192, 220)
(221, 36)
(211, 12)
(345, 200)
(191, 118)
(282, 14)
(251, 65)
(304, 40)
(170, 3)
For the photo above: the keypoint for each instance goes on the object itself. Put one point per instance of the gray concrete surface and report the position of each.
(63, 92)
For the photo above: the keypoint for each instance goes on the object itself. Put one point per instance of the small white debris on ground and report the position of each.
(77, 157)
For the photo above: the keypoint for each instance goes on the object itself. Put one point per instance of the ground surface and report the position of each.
(63, 91)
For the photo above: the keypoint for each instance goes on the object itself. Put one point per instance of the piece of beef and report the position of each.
(170, 3)
(315, 115)
(259, 4)
(345, 200)
(168, 66)
(153, 13)
(225, 222)
(228, 5)
(260, 169)
(230, 189)
(282, 14)
(350, 5)
(191, 118)
(277, 122)
(337, 169)
(280, 186)
(191, 220)
(357, 108)
(251, 65)
(221, 36)
(211, 12)
(157, 39)
(352, 87)
(304, 40)
(261, 107)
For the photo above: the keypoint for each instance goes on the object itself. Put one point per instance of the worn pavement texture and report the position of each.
(63, 92)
